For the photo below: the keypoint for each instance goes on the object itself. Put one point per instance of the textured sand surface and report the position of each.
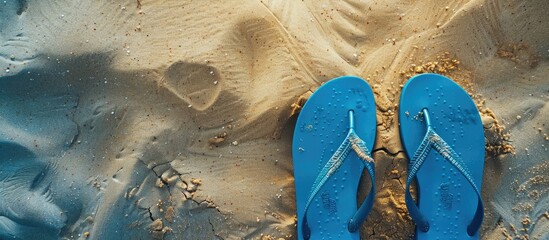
(146, 119)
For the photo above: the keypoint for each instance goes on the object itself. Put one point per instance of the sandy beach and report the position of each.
(165, 119)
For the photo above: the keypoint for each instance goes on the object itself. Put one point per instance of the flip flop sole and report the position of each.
(445, 197)
(321, 127)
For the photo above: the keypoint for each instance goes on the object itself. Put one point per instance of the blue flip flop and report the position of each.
(443, 136)
(333, 135)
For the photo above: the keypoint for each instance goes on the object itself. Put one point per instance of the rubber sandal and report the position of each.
(333, 135)
(442, 134)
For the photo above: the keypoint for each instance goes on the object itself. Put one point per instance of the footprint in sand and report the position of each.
(197, 84)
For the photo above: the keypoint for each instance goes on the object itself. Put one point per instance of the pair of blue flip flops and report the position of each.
(442, 134)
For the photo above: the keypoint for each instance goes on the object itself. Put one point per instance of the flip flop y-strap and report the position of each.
(351, 142)
(433, 141)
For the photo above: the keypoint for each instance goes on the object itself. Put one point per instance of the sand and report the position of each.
(146, 119)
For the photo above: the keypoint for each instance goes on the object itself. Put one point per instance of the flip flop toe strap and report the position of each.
(355, 143)
(363, 154)
(433, 141)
